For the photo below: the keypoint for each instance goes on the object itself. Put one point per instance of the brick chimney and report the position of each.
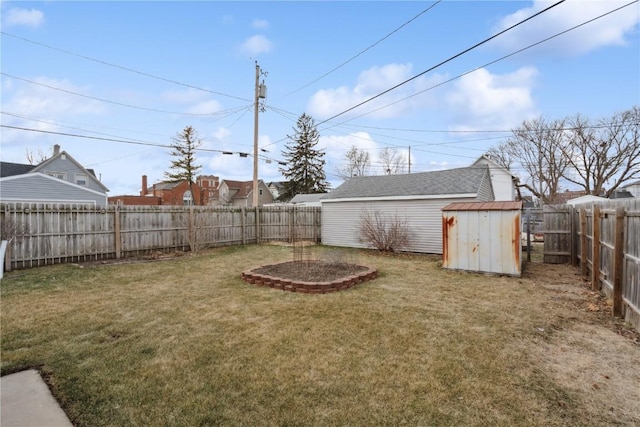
(56, 149)
(144, 186)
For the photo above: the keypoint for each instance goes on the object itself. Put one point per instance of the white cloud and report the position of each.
(327, 102)
(487, 99)
(221, 133)
(187, 96)
(260, 24)
(610, 30)
(255, 45)
(41, 101)
(42, 108)
(205, 107)
(28, 17)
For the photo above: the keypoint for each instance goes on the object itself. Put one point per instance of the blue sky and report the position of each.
(142, 71)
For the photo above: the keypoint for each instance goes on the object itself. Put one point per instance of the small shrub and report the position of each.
(383, 233)
(11, 229)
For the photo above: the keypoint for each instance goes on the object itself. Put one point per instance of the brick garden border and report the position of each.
(308, 287)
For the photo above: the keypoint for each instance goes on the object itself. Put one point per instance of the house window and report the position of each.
(261, 191)
(81, 179)
(187, 198)
(59, 175)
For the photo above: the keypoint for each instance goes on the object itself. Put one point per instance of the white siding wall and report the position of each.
(501, 180)
(340, 221)
(486, 192)
(35, 187)
(68, 167)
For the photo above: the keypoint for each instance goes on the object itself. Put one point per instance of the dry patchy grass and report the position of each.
(187, 342)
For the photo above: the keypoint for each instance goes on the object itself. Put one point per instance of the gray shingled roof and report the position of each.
(452, 181)
(306, 198)
(11, 169)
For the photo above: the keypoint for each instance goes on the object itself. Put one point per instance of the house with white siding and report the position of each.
(416, 198)
(307, 199)
(502, 180)
(59, 179)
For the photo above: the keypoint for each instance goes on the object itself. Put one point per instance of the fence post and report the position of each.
(116, 230)
(314, 214)
(243, 221)
(257, 210)
(595, 272)
(291, 220)
(574, 237)
(618, 262)
(584, 265)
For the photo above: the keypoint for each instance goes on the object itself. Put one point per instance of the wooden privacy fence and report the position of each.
(603, 238)
(58, 233)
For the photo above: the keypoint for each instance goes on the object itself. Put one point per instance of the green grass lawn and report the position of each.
(185, 342)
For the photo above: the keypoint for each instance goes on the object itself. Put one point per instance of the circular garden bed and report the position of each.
(311, 277)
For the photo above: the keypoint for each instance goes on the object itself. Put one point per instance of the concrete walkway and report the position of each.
(25, 400)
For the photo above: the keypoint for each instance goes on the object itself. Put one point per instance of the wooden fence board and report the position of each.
(557, 234)
(609, 252)
(71, 233)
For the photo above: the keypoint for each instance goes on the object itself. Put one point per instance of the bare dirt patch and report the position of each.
(597, 364)
(310, 271)
(588, 352)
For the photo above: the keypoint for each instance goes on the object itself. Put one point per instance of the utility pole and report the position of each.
(260, 92)
(409, 159)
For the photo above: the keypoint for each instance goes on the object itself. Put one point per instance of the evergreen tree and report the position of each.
(183, 150)
(305, 172)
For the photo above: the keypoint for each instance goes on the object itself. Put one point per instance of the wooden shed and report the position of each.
(482, 237)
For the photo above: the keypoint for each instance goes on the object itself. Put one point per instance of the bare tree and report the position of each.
(541, 149)
(358, 163)
(383, 233)
(36, 158)
(500, 155)
(392, 161)
(605, 155)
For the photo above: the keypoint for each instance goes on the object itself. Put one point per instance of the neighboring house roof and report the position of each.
(588, 198)
(562, 198)
(621, 194)
(451, 181)
(42, 166)
(240, 189)
(276, 184)
(166, 185)
(47, 188)
(11, 169)
(485, 159)
(307, 198)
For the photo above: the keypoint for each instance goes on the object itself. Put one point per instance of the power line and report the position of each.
(490, 63)
(62, 125)
(121, 67)
(134, 142)
(120, 103)
(364, 50)
(443, 62)
(72, 122)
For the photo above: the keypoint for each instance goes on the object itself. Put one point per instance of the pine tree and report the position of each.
(305, 174)
(183, 150)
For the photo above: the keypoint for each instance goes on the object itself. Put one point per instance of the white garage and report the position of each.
(416, 198)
